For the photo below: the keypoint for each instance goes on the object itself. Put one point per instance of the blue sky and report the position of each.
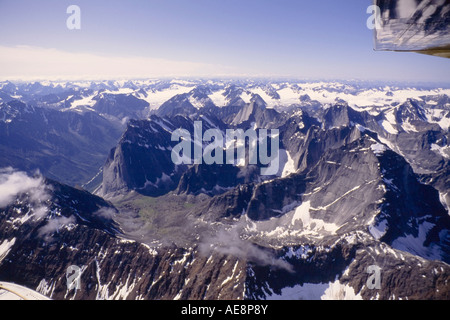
(317, 39)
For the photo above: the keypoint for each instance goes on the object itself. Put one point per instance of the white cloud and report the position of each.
(14, 183)
(54, 225)
(33, 63)
(106, 213)
(229, 242)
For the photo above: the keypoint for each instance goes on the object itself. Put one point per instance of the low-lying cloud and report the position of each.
(14, 183)
(54, 225)
(105, 213)
(229, 242)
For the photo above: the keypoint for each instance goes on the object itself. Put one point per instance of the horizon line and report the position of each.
(241, 77)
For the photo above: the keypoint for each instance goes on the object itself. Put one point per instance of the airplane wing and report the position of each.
(421, 26)
(12, 291)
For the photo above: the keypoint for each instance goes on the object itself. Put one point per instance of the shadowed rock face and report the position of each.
(65, 146)
(120, 106)
(142, 160)
(212, 179)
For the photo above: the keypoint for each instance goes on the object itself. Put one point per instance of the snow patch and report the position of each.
(378, 230)
(443, 199)
(5, 247)
(218, 98)
(408, 127)
(339, 291)
(309, 224)
(317, 291)
(289, 166)
(387, 126)
(443, 151)
(415, 244)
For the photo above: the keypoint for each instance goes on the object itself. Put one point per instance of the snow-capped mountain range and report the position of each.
(363, 181)
(280, 93)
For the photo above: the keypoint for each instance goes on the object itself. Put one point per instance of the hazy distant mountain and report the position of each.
(67, 146)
